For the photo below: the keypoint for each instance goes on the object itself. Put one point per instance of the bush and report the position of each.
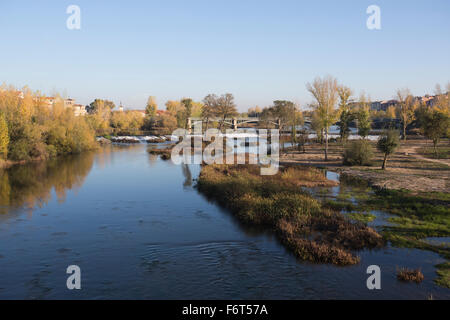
(358, 152)
(19, 150)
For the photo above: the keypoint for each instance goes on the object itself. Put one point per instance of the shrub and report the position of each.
(358, 152)
(410, 275)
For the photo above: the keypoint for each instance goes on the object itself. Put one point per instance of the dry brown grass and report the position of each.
(311, 232)
(410, 275)
(164, 153)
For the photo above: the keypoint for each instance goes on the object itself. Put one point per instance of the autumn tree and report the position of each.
(167, 122)
(100, 105)
(325, 92)
(151, 107)
(442, 100)
(176, 109)
(390, 112)
(4, 137)
(405, 108)
(317, 124)
(254, 112)
(127, 121)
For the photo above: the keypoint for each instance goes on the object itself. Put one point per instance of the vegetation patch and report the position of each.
(362, 217)
(410, 275)
(164, 153)
(443, 271)
(339, 205)
(313, 232)
(417, 216)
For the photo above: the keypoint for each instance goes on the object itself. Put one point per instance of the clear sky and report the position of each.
(258, 50)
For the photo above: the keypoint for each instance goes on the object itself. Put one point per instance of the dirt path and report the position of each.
(407, 169)
(413, 152)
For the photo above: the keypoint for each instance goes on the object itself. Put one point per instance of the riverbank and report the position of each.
(311, 231)
(407, 169)
(414, 188)
(5, 164)
(331, 231)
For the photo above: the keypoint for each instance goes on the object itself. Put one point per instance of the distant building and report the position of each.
(427, 100)
(384, 105)
(49, 101)
(375, 106)
(79, 110)
(69, 103)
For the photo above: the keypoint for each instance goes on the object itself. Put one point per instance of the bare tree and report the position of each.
(226, 108)
(325, 91)
(210, 103)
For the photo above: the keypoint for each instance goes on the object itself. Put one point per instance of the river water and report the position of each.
(138, 229)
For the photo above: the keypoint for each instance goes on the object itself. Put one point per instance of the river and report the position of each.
(138, 229)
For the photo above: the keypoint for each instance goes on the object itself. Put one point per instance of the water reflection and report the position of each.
(31, 185)
(187, 175)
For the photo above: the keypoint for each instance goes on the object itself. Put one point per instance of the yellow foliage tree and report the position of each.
(4, 137)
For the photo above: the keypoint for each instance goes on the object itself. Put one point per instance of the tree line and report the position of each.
(332, 105)
(29, 129)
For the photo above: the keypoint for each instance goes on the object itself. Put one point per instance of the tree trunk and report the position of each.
(384, 161)
(326, 144)
(404, 131)
(207, 124)
(435, 148)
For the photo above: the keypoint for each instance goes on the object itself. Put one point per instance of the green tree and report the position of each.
(187, 104)
(346, 116)
(434, 126)
(363, 117)
(388, 143)
(4, 137)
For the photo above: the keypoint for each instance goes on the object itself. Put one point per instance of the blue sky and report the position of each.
(258, 50)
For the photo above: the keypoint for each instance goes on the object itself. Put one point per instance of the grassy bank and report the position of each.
(310, 231)
(416, 216)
